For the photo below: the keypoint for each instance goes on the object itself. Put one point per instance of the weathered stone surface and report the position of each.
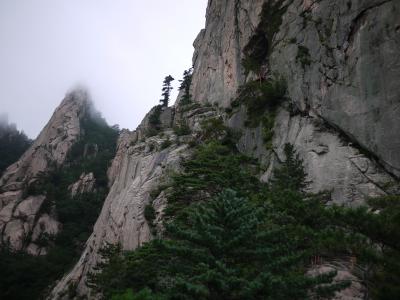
(356, 290)
(29, 207)
(14, 233)
(352, 76)
(331, 162)
(135, 173)
(217, 71)
(54, 141)
(85, 184)
(18, 214)
(46, 226)
(7, 197)
(139, 167)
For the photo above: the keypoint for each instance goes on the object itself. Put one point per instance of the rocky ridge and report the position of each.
(21, 219)
(141, 164)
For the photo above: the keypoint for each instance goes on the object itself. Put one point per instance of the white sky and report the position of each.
(120, 49)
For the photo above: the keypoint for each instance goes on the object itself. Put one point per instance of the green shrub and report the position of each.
(149, 213)
(185, 87)
(228, 110)
(13, 144)
(166, 143)
(182, 129)
(145, 294)
(260, 44)
(154, 118)
(213, 167)
(189, 106)
(303, 56)
(268, 122)
(259, 97)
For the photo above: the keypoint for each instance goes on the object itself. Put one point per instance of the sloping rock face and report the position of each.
(85, 184)
(339, 64)
(20, 216)
(141, 164)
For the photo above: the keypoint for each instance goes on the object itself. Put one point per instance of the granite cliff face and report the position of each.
(21, 219)
(340, 64)
(141, 164)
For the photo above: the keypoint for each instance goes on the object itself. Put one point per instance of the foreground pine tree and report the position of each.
(224, 249)
(229, 250)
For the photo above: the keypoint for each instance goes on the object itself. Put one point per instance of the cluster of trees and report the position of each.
(23, 276)
(13, 144)
(154, 118)
(184, 86)
(228, 236)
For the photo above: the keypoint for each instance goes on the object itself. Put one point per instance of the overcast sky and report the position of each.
(120, 49)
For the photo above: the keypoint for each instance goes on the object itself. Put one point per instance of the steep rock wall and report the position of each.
(339, 64)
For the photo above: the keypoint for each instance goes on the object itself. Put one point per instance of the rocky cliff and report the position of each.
(341, 77)
(21, 218)
(142, 163)
(339, 62)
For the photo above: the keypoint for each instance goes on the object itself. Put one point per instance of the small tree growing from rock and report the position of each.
(166, 90)
(185, 86)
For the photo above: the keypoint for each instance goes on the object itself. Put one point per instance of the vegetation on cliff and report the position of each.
(26, 277)
(13, 144)
(166, 90)
(185, 87)
(229, 236)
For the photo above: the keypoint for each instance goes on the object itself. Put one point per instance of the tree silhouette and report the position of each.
(166, 90)
(185, 86)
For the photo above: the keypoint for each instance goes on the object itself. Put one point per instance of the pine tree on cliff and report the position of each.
(228, 249)
(166, 90)
(185, 86)
(225, 248)
(291, 174)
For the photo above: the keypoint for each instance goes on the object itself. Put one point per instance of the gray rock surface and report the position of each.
(85, 184)
(349, 46)
(136, 170)
(139, 167)
(19, 214)
(217, 71)
(353, 75)
(345, 270)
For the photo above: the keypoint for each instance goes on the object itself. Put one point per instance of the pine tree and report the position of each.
(227, 249)
(291, 175)
(185, 86)
(166, 90)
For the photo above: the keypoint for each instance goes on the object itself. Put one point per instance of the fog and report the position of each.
(121, 50)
